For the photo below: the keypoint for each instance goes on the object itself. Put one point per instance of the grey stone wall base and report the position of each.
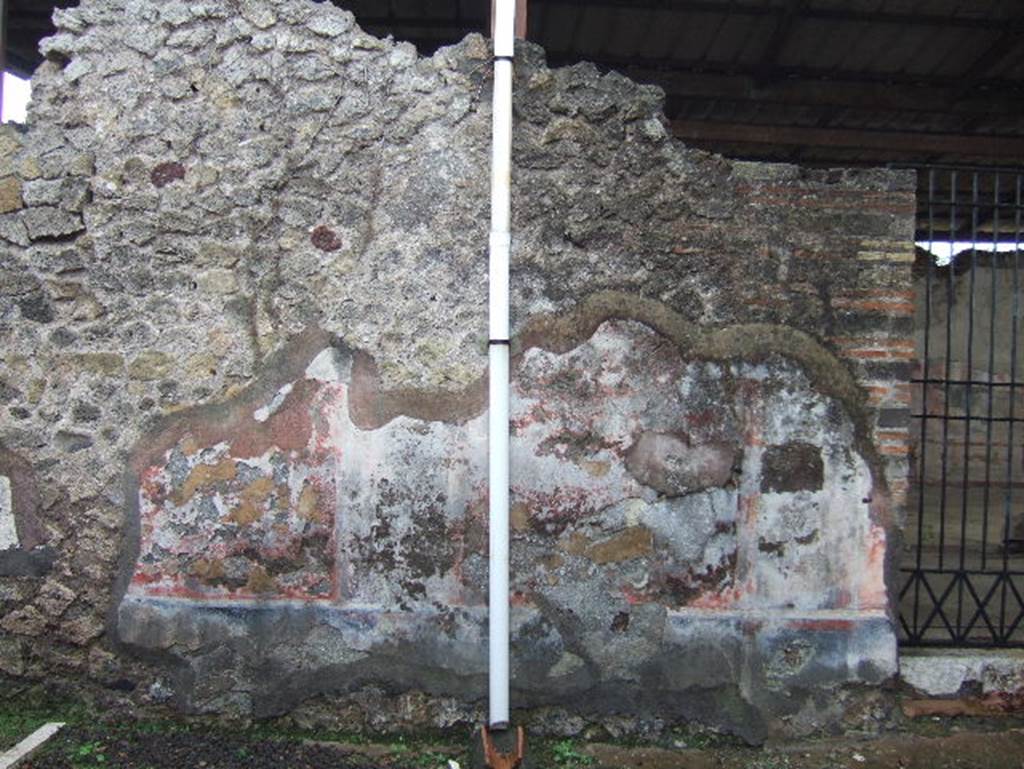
(752, 674)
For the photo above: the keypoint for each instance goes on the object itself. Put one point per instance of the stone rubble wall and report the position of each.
(243, 318)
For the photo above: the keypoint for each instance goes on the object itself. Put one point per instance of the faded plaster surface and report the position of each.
(242, 392)
(641, 530)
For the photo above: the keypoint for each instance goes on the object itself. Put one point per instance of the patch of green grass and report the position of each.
(399, 745)
(18, 721)
(701, 738)
(770, 761)
(87, 755)
(428, 759)
(566, 755)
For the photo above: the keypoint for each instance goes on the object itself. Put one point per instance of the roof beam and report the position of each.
(3, 47)
(819, 93)
(748, 8)
(1004, 45)
(833, 138)
(775, 74)
(788, 16)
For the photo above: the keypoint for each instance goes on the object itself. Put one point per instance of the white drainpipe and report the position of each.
(498, 351)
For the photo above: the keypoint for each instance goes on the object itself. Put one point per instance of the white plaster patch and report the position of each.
(8, 532)
(263, 414)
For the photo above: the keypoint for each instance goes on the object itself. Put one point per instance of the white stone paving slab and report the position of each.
(29, 745)
(944, 673)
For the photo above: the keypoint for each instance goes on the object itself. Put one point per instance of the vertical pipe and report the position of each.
(498, 353)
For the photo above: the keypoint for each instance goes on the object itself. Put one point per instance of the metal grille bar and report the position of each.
(962, 579)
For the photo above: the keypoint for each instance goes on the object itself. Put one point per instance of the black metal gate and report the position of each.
(963, 561)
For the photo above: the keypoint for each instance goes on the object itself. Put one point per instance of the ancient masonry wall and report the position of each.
(242, 311)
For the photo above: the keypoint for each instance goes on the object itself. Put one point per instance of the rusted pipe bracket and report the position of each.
(497, 760)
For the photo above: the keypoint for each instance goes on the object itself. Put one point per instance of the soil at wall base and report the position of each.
(934, 744)
(81, 747)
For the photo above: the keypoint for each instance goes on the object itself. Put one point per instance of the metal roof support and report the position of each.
(889, 141)
(3, 48)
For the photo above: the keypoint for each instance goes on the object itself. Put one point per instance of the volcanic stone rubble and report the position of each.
(242, 305)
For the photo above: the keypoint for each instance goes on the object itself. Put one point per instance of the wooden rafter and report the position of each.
(789, 16)
(1008, 147)
(3, 46)
(839, 14)
(886, 97)
(777, 73)
(1007, 42)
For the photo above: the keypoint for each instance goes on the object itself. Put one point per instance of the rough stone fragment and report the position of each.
(81, 630)
(10, 195)
(165, 173)
(792, 467)
(13, 230)
(331, 23)
(258, 14)
(146, 40)
(670, 465)
(175, 13)
(60, 46)
(52, 222)
(634, 542)
(77, 69)
(27, 621)
(12, 656)
(218, 281)
(70, 442)
(68, 19)
(325, 239)
(69, 194)
(36, 308)
(150, 366)
(86, 412)
(54, 598)
(103, 363)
